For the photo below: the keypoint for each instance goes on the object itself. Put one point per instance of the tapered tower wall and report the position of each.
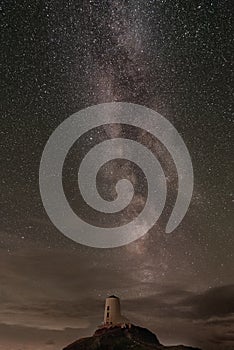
(112, 314)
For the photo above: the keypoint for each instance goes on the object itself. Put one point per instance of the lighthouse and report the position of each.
(112, 313)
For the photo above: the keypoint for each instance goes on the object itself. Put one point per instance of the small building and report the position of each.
(112, 313)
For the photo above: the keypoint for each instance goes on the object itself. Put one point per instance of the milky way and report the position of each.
(173, 58)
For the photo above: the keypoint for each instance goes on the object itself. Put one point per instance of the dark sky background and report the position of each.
(59, 57)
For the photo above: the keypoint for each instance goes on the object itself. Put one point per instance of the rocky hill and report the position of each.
(117, 338)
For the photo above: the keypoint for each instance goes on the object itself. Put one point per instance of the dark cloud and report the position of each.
(66, 291)
(33, 337)
(226, 337)
(50, 342)
(223, 321)
(215, 302)
(77, 302)
(207, 317)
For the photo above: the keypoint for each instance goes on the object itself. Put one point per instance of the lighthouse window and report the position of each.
(108, 307)
(107, 315)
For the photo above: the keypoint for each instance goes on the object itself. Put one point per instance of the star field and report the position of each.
(173, 57)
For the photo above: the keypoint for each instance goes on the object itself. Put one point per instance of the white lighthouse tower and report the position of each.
(112, 314)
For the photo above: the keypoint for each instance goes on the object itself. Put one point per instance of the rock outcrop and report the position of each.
(129, 337)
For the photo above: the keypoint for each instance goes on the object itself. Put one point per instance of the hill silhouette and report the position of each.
(130, 337)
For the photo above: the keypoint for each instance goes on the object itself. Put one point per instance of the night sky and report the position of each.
(60, 57)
